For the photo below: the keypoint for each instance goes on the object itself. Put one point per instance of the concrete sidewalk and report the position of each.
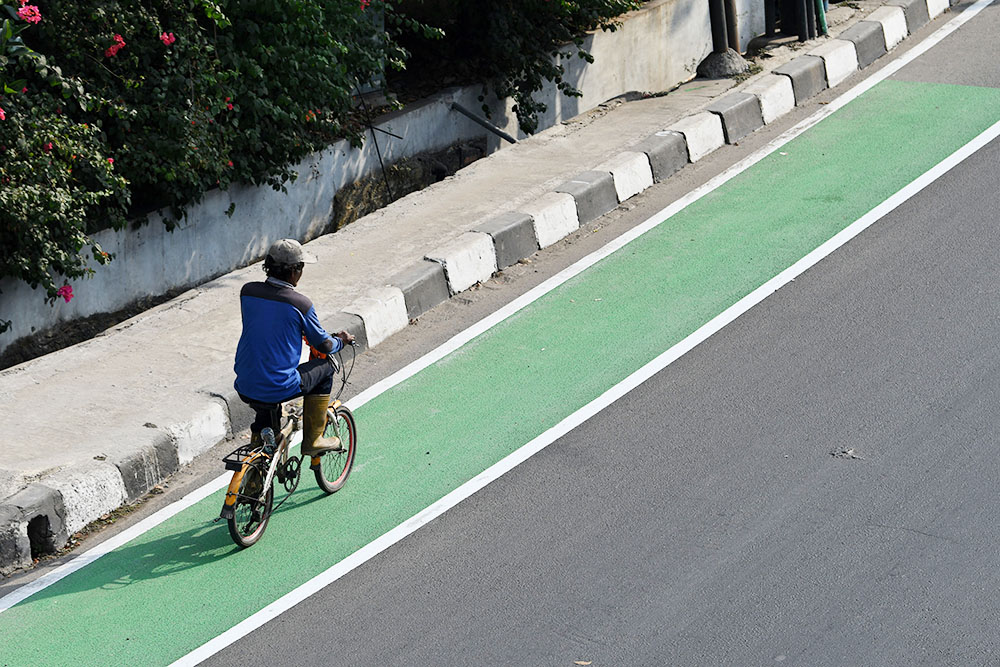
(99, 424)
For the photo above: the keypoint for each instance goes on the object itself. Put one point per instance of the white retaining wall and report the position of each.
(655, 49)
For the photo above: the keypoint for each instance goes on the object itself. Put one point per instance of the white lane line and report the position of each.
(662, 216)
(460, 339)
(497, 470)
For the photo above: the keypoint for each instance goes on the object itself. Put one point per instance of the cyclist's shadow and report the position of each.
(206, 545)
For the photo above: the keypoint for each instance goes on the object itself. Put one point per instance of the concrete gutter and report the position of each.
(118, 414)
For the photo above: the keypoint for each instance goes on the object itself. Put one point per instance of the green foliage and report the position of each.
(55, 181)
(514, 46)
(110, 109)
(181, 95)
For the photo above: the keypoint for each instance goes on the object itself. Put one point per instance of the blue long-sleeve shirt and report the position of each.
(275, 318)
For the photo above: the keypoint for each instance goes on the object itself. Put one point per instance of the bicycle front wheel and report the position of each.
(335, 465)
(250, 514)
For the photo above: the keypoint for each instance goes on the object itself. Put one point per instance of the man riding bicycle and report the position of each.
(275, 319)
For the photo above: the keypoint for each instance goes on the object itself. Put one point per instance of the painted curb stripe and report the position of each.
(537, 444)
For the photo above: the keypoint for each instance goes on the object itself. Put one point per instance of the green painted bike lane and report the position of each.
(170, 590)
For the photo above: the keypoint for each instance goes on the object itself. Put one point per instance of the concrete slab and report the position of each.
(352, 324)
(808, 75)
(667, 153)
(915, 11)
(143, 469)
(631, 173)
(937, 7)
(513, 236)
(893, 22)
(775, 94)
(202, 429)
(553, 216)
(869, 42)
(594, 193)
(87, 491)
(467, 260)
(35, 514)
(423, 286)
(702, 133)
(383, 310)
(740, 114)
(840, 59)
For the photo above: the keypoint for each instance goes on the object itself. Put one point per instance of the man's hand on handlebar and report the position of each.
(346, 337)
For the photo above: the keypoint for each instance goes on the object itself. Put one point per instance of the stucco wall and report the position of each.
(656, 48)
(749, 21)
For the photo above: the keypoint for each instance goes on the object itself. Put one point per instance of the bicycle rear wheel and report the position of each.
(335, 465)
(250, 515)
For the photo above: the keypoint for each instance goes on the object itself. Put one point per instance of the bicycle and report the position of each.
(249, 501)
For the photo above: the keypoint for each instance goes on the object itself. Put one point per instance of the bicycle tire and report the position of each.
(249, 521)
(335, 466)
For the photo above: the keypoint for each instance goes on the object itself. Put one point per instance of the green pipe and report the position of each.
(821, 18)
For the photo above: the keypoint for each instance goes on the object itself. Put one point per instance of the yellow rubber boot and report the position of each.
(314, 423)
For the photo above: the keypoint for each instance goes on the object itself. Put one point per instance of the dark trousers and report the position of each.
(316, 378)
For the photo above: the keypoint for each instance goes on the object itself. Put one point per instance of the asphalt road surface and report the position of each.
(814, 485)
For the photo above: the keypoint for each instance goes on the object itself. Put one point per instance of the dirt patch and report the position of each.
(400, 179)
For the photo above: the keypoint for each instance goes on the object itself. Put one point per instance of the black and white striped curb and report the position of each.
(43, 515)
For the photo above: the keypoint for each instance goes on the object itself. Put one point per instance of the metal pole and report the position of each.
(717, 16)
(495, 130)
(732, 28)
(821, 17)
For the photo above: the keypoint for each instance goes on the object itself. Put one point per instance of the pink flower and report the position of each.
(24, 90)
(230, 163)
(47, 147)
(66, 292)
(111, 160)
(116, 47)
(29, 13)
(364, 4)
(229, 106)
(3, 116)
(167, 38)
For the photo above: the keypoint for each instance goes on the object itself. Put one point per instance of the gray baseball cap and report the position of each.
(289, 252)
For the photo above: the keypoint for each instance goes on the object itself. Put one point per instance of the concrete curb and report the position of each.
(916, 12)
(702, 132)
(44, 515)
(667, 153)
(937, 7)
(840, 59)
(32, 518)
(808, 75)
(775, 94)
(740, 114)
(868, 40)
(553, 216)
(631, 173)
(423, 286)
(893, 25)
(382, 311)
(594, 193)
(467, 260)
(513, 237)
